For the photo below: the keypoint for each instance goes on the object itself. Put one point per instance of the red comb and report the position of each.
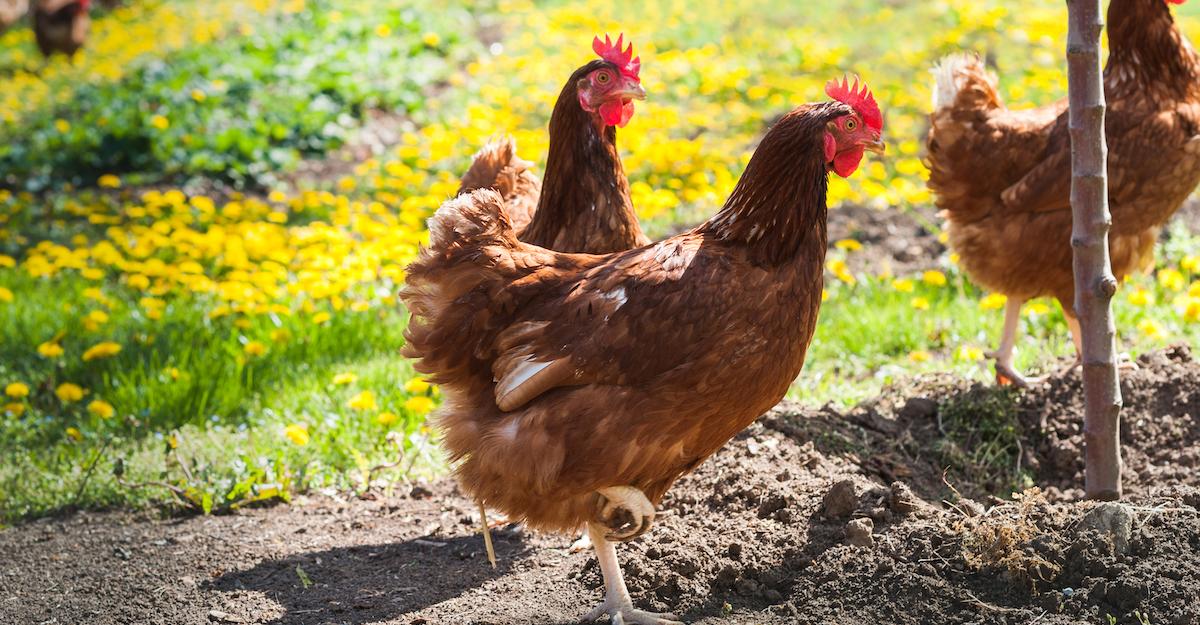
(623, 59)
(859, 99)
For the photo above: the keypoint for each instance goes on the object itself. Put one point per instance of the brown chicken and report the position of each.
(11, 11)
(1003, 177)
(579, 387)
(583, 205)
(61, 26)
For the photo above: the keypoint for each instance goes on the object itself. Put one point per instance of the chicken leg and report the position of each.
(617, 604)
(1005, 372)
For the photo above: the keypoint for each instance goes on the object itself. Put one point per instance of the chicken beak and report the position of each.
(630, 90)
(875, 145)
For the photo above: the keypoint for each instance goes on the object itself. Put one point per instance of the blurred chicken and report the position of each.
(1003, 177)
(584, 204)
(11, 11)
(61, 25)
(579, 387)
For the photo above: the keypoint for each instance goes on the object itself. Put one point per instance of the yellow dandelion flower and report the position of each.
(254, 349)
(418, 405)
(850, 245)
(1171, 279)
(919, 356)
(101, 408)
(919, 303)
(343, 379)
(68, 392)
(993, 301)
(1152, 329)
(383, 30)
(431, 39)
(903, 285)
(386, 418)
(321, 317)
(1190, 263)
(1036, 309)
(8, 262)
(108, 181)
(1141, 297)
(199, 95)
(297, 433)
(14, 409)
(279, 335)
(107, 349)
(50, 349)
(1191, 312)
(417, 386)
(5, 295)
(94, 320)
(160, 122)
(62, 126)
(968, 353)
(363, 401)
(138, 281)
(16, 390)
(74, 433)
(934, 277)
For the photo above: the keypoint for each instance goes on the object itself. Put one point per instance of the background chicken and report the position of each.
(1003, 177)
(578, 388)
(61, 25)
(584, 204)
(11, 11)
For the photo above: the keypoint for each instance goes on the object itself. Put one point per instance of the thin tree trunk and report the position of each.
(1094, 282)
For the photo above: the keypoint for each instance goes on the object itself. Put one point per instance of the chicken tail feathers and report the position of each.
(451, 288)
(496, 166)
(961, 81)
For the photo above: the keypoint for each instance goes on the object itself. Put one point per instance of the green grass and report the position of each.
(203, 423)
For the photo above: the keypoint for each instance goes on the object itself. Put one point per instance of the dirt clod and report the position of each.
(858, 533)
(842, 500)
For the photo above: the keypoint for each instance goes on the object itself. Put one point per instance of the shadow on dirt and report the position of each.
(373, 583)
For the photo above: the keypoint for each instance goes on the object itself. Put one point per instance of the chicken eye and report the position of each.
(851, 125)
(603, 78)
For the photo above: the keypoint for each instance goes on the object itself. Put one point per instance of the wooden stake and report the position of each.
(487, 535)
(1094, 281)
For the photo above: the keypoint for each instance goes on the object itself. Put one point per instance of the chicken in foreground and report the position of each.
(579, 387)
(61, 26)
(1003, 177)
(11, 11)
(583, 205)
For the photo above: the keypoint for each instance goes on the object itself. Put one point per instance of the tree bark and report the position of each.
(1094, 281)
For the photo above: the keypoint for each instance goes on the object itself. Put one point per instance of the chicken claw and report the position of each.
(1006, 375)
(628, 615)
(626, 512)
(617, 603)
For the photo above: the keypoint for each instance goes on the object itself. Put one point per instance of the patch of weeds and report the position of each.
(982, 443)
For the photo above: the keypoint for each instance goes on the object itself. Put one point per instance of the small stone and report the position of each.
(1112, 520)
(842, 500)
(858, 533)
(902, 499)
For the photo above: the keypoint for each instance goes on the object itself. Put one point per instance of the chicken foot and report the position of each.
(617, 604)
(626, 512)
(1005, 372)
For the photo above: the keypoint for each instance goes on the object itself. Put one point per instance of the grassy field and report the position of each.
(183, 319)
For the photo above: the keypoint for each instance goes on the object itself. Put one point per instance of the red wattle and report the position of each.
(616, 112)
(847, 162)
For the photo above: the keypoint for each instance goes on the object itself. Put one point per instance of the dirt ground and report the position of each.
(811, 516)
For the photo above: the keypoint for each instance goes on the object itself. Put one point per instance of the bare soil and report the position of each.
(813, 515)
